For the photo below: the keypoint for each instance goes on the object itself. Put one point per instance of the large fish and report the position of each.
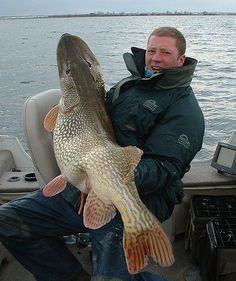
(90, 159)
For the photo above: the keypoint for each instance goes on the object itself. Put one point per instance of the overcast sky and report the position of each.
(52, 7)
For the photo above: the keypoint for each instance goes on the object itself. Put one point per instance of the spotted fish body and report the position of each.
(91, 160)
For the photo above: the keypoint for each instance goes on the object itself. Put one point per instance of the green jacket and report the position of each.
(161, 116)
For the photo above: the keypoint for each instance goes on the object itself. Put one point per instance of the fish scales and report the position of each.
(89, 158)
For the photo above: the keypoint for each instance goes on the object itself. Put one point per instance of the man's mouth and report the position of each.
(155, 68)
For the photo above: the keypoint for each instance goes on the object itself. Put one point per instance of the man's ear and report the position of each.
(181, 60)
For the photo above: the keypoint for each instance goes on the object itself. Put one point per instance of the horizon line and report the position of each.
(99, 13)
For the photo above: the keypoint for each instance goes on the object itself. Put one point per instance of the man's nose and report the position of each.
(157, 56)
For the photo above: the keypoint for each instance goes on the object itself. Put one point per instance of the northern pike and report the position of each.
(90, 159)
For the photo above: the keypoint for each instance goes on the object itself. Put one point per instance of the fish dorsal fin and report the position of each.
(134, 156)
(97, 212)
(55, 186)
(50, 119)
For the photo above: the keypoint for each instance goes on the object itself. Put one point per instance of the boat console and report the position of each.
(206, 178)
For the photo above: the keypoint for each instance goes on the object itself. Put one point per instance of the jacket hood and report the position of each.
(166, 78)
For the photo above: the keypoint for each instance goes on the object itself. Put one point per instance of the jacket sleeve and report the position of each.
(155, 175)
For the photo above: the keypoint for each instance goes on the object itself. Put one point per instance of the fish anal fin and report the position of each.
(50, 119)
(55, 186)
(153, 243)
(97, 212)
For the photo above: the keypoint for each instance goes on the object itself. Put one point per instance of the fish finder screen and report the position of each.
(226, 157)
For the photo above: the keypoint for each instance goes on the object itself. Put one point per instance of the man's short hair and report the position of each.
(173, 33)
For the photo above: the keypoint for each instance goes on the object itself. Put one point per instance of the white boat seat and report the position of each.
(39, 141)
(6, 161)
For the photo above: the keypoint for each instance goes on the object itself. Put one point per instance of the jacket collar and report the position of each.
(166, 78)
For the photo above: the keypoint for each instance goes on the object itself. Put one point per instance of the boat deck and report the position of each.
(182, 270)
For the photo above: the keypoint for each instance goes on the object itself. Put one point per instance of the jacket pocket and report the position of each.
(143, 117)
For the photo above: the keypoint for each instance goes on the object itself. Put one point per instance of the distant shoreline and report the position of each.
(108, 14)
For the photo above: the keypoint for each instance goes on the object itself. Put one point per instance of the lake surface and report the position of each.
(28, 62)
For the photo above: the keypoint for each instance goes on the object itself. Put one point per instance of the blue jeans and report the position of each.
(31, 228)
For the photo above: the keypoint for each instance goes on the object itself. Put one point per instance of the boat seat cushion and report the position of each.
(39, 141)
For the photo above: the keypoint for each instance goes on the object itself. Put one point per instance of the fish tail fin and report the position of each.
(55, 186)
(153, 243)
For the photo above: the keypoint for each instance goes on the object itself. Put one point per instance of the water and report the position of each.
(28, 62)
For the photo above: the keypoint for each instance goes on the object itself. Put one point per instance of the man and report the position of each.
(154, 109)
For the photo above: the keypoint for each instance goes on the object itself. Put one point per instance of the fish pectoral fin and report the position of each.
(97, 212)
(153, 243)
(55, 186)
(50, 119)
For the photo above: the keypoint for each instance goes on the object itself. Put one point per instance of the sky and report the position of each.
(60, 7)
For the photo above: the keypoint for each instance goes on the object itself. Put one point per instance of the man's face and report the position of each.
(162, 53)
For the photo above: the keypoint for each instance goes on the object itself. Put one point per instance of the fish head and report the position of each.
(79, 72)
